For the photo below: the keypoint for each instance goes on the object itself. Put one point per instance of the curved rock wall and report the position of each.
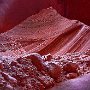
(12, 12)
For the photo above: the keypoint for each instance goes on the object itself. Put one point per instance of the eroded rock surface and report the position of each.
(22, 68)
(26, 74)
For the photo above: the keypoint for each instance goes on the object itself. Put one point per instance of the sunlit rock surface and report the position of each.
(46, 32)
(13, 12)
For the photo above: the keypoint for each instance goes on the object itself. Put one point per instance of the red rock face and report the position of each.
(78, 9)
(46, 32)
(12, 12)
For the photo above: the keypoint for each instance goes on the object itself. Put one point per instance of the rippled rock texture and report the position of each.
(63, 46)
(46, 32)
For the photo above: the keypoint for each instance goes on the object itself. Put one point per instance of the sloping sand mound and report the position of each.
(47, 32)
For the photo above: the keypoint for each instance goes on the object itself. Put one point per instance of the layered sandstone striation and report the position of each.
(46, 32)
(63, 46)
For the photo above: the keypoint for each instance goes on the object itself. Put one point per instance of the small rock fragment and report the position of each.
(70, 67)
(71, 75)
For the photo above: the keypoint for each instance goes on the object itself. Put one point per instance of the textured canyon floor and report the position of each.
(43, 33)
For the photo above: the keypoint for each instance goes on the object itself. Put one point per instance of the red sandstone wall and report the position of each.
(12, 12)
(78, 9)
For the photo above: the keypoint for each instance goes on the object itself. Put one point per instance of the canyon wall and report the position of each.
(12, 12)
(78, 9)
